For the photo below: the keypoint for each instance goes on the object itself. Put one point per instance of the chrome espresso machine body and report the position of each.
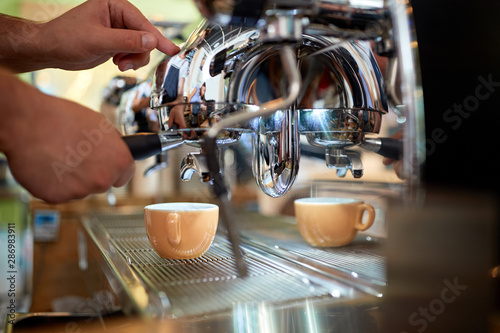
(283, 69)
(272, 71)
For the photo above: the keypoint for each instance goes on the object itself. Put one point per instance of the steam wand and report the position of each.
(210, 147)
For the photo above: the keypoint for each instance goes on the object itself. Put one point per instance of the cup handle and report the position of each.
(173, 229)
(371, 217)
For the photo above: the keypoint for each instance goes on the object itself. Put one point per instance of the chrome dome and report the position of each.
(204, 63)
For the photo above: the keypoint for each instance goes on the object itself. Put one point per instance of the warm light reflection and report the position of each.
(140, 296)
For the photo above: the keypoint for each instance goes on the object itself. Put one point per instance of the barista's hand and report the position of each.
(397, 164)
(59, 150)
(84, 37)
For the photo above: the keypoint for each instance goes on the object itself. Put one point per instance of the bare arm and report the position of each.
(82, 38)
(19, 41)
(58, 150)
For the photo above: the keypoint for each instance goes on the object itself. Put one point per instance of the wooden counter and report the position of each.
(55, 266)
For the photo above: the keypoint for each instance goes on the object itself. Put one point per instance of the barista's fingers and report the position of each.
(387, 161)
(117, 57)
(133, 61)
(399, 169)
(131, 41)
(167, 46)
(125, 176)
(124, 40)
(397, 165)
(124, 165)
(125, 15)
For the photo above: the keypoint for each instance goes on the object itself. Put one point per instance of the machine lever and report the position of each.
(143, 145)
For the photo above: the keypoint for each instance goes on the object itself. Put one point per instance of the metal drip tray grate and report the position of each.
(357, 259)
(206, 284)
(362, 262)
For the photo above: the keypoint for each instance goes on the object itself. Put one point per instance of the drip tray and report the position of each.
(362, 263)
(155, 287)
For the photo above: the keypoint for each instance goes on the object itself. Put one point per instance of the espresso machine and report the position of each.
(284, 70)
(281, 74)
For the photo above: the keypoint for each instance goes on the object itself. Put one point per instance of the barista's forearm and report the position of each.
(15, 95)
(20, 44)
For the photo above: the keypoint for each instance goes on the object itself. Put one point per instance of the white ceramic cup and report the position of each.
(181, 230)
(331, 222)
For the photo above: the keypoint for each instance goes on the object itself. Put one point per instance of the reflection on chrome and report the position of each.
(227, 71)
